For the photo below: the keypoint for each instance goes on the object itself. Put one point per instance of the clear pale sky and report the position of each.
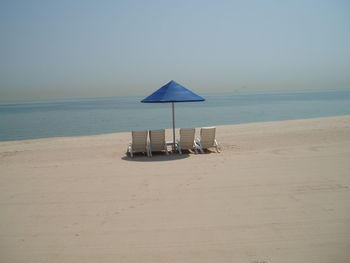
(62, 49)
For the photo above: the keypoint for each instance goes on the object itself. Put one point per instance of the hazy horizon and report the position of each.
(81, 49)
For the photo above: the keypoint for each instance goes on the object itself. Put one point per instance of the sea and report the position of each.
(77, 117)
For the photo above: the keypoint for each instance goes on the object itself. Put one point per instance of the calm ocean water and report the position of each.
(75, 117)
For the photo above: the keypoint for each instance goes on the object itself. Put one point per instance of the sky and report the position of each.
(68, 49)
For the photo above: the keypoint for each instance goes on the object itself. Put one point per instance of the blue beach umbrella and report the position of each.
(172, 92)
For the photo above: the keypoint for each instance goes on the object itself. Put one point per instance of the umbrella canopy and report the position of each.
(172, 92)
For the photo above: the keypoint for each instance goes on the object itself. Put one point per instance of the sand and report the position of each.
(278, 192)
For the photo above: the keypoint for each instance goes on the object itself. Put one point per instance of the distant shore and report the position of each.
(278, 192)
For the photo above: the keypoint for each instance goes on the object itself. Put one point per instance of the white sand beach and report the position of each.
(278, 192)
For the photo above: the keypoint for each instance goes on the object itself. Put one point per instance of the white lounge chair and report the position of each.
(186, 141)
(207, 139)
(157, 141)
(139, 143)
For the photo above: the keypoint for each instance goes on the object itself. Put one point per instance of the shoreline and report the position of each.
(278, 192)
(169, 129)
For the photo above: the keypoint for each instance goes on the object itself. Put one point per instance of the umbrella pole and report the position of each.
(173, 127)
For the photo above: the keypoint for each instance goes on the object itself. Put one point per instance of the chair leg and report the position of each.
(178, 146)
(195, 147)
(217, 146)
(199, 146)
(130, 151)
(147, 149)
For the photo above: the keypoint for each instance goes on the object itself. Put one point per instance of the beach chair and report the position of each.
(157, 141)
(139, 143)
(207, 139)
(186, 141)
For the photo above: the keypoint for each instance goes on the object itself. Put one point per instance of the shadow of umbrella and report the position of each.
(158, 157)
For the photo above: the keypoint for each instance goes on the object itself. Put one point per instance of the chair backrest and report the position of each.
(157, 140)
(139, 141)
(207, 137)
(187, 138)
